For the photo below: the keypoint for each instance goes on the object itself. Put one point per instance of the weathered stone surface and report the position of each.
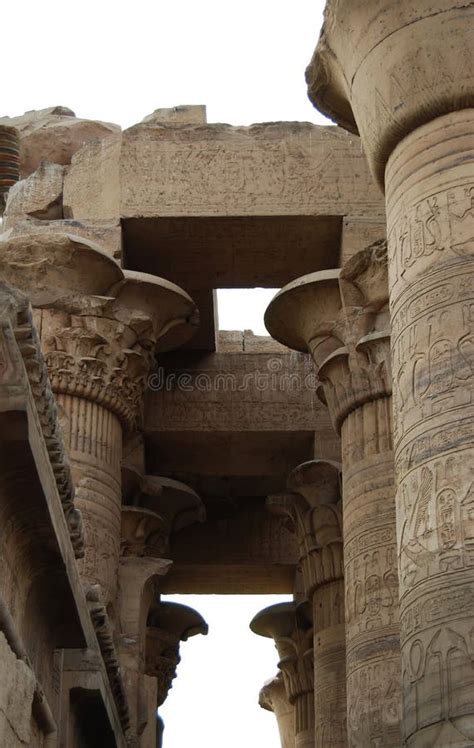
(38, 196)
(222, 170)
(273, 697)
(291, 630)
(406, 83)
(368, 74)
(343, 320)
(184, 114)
(16, 697)
(54, 135)
(105, 234)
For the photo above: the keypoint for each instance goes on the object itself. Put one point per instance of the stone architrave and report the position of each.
(289, 626)
(99, 327)
(273, 697)
(315, 513)
(342, 319)
(402, 75)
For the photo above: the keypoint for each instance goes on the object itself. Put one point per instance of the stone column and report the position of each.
(342, 321)
(168, 624)
(160, 507)
(9, 162)
(99, 327)
(273, 697)
(291, 630)
(402, 75)
(315, 511)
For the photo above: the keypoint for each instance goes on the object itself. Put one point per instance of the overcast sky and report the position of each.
(214, 699)
(118, 61)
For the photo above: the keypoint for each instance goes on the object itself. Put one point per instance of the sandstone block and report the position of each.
(53, 134)
(39, 195)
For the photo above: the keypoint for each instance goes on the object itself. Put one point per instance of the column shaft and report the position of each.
(93, 436)
(329, 665)
(430, 213)
(371, 585)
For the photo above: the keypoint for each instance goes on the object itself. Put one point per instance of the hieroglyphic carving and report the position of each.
(437, 534)
(439, 226)
(356, 384)
(433, 348)
(272, 168)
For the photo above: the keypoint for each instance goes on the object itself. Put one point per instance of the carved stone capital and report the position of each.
(314, 510)
(288, 626)
(100, 325)
(341, 318)
(382, 68)
(273, 697)
(155, 507)
(351, 378)
(306, 315)
(168, 624)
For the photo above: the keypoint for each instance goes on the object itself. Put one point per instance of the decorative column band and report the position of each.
(9, 161)
(364, 376)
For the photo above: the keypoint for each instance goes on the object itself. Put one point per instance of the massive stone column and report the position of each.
(315, 512)
(273, 697)
(99, 327)
(402, 75)
(341, 318)
(153, 509)
(168, 624)
(291, 630)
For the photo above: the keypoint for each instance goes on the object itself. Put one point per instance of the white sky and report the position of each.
(118, 61)
(214, 699)
(243, 309)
